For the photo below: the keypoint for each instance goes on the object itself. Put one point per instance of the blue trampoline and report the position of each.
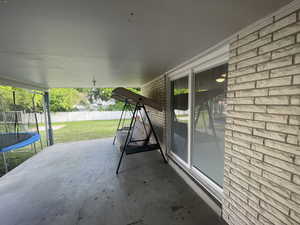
(16, 127)
(14, 141)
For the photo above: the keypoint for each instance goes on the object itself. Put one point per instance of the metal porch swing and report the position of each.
(140, 135)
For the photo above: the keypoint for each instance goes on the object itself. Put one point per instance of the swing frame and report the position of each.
(128, 148)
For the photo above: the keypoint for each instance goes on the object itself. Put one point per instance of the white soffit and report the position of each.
(120, 43)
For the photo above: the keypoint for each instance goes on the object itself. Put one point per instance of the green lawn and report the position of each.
(72, 131)
(85, 130)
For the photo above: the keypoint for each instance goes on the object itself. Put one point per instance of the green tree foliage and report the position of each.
(23, 99)
(63, 99)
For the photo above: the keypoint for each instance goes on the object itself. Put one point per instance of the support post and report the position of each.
(48, 116)
(5, 162)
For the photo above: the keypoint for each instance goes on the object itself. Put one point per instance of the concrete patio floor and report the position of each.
(76, 184)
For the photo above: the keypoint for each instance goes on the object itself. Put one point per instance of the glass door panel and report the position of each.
(209, 123)
(179, 117)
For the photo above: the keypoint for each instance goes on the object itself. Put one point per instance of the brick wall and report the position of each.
(156, 90)
(262, 151)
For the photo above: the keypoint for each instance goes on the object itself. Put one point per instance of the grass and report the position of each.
(72, 131)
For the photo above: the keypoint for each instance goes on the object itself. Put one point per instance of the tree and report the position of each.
(63, 99)
(23, 99)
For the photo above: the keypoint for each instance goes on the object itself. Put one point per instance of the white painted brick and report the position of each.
(247, 179)
(288, 90)
(295, 100)
(253, 77)
(268, 219)
(270, 200)
(231, 67)
(294, 28)
(254, 60)
(283, 128)
(245, 40)
(242, 115)
(288, 110)
(243, 101)
(290, 50)
(296, 179)
(296, 79)
(294, 120)
(243, 56)
(255, 44)
(285, 61)
(292, 139)
(283, 147)
(228, 132)
(250, 108)
(279, 198)
(280, 81)
(229, 120)
(285, 218)
(270, 183)
(289, 70)
(248, 138)
(297, 58)
(278, 100)
(248, 152)
(248, 85)
(238, 141)
(228, 107)
(277, 44)
(281, 182)
(236, 167)
(250, 29)
(296, 216)
(242, 129)
(244, 192)
(232, 53)
(296, 198)
(243, 71)
(279, 24)
(252, 93)
(272, 169)
(249, 123)
(273, 152)
(271, 118)
(231, 81)
(282, 164)
(230, 94)
(269, 134)
(238, 181)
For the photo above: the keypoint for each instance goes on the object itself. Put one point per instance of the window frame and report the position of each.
(208, 61)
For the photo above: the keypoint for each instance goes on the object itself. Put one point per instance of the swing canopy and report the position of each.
(125, 95)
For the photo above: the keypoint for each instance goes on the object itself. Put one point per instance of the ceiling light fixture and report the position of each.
(220, 79)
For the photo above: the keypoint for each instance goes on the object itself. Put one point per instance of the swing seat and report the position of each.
(132, 149)
(139, 137)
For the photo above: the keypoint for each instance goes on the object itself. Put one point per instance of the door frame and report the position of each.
(214, 58)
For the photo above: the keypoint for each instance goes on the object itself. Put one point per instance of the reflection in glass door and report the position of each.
(179, 108)
(209, 123)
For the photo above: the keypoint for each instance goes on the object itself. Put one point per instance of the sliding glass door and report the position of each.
(179, 108)
(209, 123)
(197, 124)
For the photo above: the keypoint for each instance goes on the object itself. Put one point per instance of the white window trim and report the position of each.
(215, 57)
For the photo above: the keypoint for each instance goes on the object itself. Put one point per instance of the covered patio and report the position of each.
(75, 183)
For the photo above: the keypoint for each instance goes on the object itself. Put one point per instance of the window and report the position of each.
(209, 123)
(179, 117)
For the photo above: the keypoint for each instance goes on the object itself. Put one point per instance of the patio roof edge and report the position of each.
(21, 84)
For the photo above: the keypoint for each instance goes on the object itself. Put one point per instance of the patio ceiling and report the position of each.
(65, 43)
